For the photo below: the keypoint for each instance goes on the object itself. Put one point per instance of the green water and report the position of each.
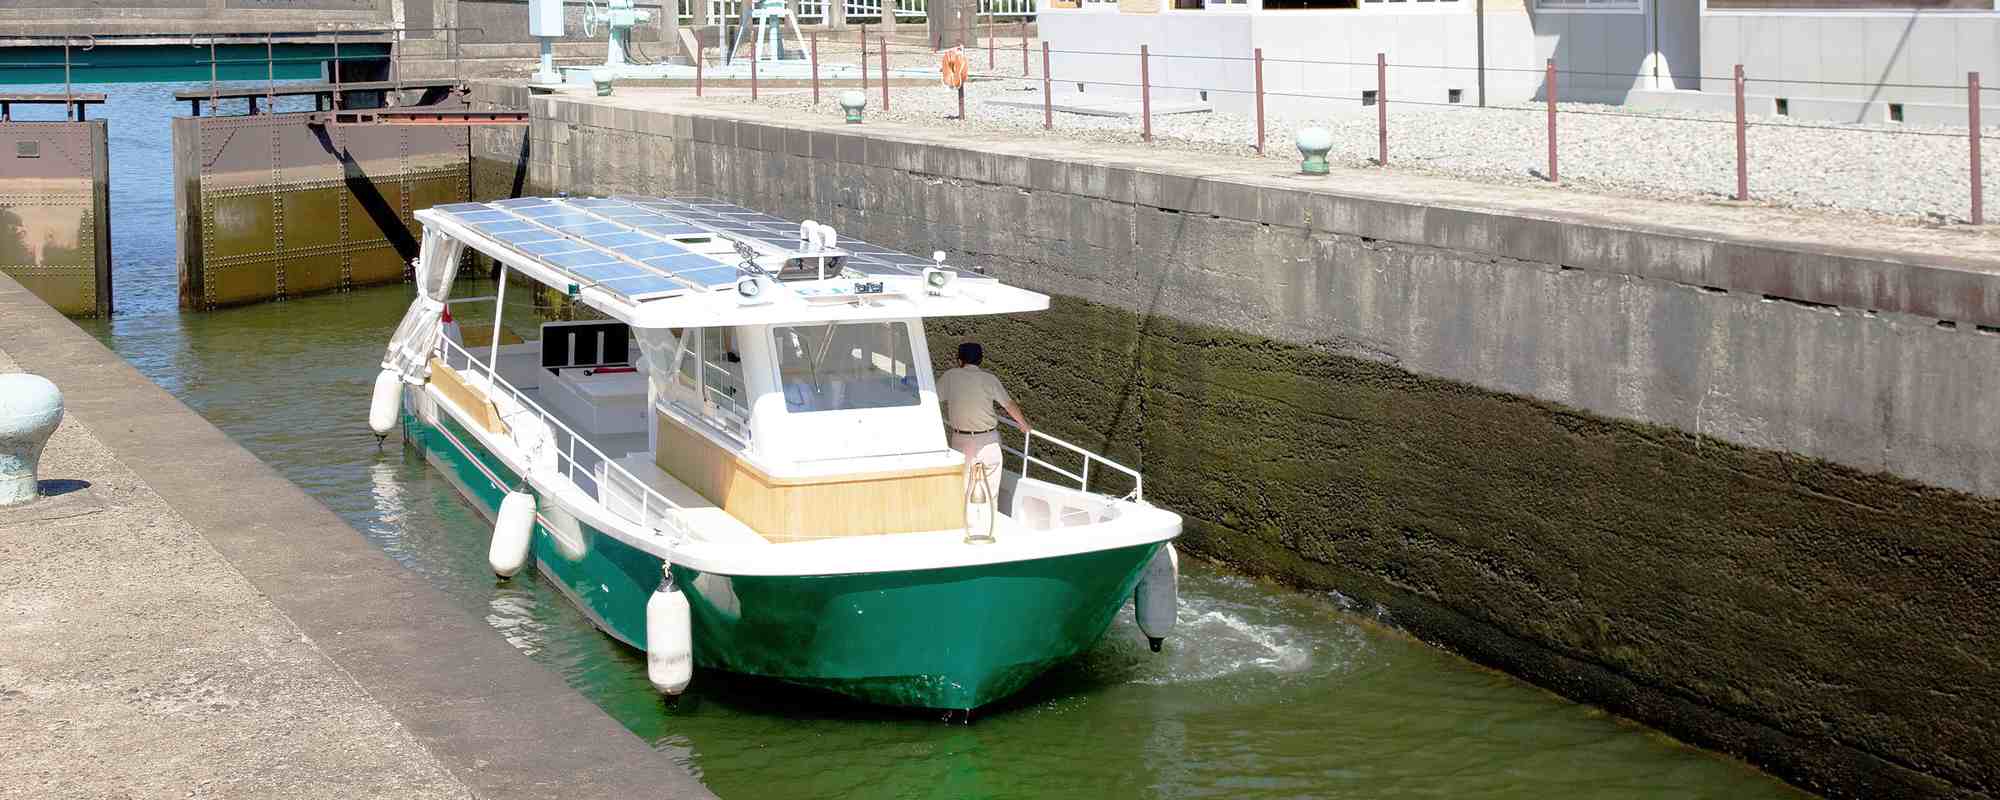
(1263, 692)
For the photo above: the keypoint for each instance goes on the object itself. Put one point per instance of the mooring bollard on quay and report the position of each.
(30, 409)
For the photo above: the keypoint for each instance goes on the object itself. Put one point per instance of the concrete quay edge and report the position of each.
(1818, 258)
(499, 722)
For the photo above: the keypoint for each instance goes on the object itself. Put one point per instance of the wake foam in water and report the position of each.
(1228, 627)
(1214, 643)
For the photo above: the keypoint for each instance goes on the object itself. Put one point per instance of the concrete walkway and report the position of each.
(180, 621)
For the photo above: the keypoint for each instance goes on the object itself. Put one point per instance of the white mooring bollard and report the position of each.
(30, 409)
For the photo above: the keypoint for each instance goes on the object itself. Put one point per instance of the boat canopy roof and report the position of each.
(672, 262)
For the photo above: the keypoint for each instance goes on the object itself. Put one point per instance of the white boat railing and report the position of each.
(655, 513)
(1026, 454)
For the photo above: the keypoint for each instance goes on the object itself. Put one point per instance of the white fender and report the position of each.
(1157, 597)
(387, 404)
(669, 638)
(511, 530)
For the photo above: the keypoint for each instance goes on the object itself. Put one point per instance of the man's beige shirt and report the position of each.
(968, 395)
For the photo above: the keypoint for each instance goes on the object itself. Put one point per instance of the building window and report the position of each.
(1308, 5)
(1588, 5)
(1850, 5)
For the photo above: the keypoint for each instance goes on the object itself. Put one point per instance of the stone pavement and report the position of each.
(139, 663)
(180, 621)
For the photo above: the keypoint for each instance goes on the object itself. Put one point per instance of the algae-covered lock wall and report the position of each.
(1742, 490)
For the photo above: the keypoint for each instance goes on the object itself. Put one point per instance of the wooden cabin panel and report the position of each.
(797, 510)
(694, 460)
(467, 397)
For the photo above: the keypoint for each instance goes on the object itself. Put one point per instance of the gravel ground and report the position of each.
(1908, 173)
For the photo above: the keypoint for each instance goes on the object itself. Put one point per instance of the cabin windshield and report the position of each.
(846, 366)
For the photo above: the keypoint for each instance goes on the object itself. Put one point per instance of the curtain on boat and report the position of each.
(410, 350)
(658, 345)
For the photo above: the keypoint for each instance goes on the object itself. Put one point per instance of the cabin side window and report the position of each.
(846, 366)
(723, 393)
(708, 380)
(688, 376)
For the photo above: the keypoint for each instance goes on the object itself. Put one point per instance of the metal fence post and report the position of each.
(991, 64)
(753, 67)
(1550, 80)
(1742, 142)
(270, 77)
(1972, 115)
(1024, 47)
(336, 70)
(864, 59)
(1382, 109)
(814, 41)
(1048, 101)
(699, 56)
(885, 74)
(1145, 95)
(1257, 56)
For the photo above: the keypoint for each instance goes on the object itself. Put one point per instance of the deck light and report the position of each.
(852, 101)
(1313, 143)
(750, 290)
(937, 282)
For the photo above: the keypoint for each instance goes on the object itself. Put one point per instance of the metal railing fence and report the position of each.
(1139, 75)
(655, 513)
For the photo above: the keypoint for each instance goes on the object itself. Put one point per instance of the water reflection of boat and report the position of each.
(755, 415)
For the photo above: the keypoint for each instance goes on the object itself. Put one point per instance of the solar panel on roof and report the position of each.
(593, 229)
(653, 248)
(711, 276)
(539, 212)
(650, 284)
(621, 241)
(580, 259)
(684, 260)
(666, 227)
(563, 218)
(615, 242)
(611, 271)
(552, 247)
(505, 231)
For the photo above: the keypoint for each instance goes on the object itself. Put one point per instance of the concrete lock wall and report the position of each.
(1738, 490)
(273, 205)
(55, 221)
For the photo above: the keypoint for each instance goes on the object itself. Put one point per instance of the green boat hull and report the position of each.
(951, 638)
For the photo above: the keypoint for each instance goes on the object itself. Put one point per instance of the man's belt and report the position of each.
(972, 433)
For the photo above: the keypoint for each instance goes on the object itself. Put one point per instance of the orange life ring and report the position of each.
(952, 67)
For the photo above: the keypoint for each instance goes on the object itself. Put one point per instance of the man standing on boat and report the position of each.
(968, 394)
